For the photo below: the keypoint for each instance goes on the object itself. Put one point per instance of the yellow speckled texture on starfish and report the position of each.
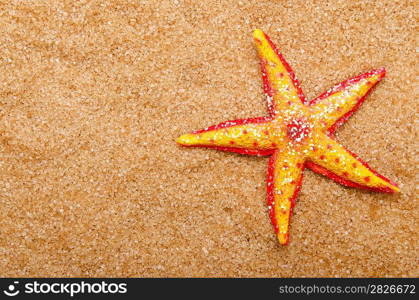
(297, 134)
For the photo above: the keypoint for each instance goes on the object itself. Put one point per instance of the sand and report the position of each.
(93, 95)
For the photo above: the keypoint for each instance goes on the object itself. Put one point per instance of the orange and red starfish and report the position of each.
(297, 134)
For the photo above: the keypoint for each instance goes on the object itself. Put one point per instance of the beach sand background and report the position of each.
(94, 93)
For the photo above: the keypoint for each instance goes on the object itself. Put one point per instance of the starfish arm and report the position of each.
(279, 82)
(336, 105)
(332, 160)
(285, 173)
(247, 136)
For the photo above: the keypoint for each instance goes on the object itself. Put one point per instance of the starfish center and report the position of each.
(298, 130)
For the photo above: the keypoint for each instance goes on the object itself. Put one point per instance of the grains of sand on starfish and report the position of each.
(297, 134)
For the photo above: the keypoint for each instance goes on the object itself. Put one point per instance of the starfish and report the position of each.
(297, 134)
